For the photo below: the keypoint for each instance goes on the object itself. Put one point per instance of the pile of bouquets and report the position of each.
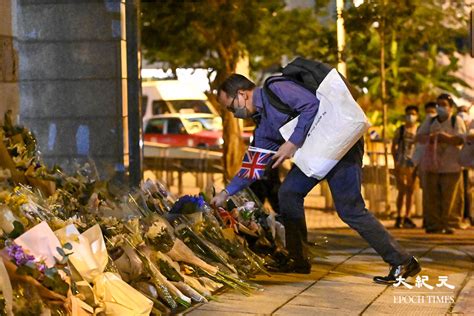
(69, 244)
(134, 252)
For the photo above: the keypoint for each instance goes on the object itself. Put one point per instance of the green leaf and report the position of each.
(67, 246)
(18, 230)
(61, 251)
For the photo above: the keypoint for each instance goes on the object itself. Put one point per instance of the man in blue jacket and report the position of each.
(240, 96)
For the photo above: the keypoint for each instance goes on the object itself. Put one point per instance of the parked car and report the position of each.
(187, 130)
(179, 130)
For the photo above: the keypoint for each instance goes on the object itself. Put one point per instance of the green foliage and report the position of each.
(215, 34)
(18, 230)
(64, 256)
(211, 34)
(53, 281)
(415, 34)
(291, 33)
(169, 272)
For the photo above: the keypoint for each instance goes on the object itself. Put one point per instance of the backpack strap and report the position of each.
(453, 120)
(274, 100)
(402, 133)
(401, 141)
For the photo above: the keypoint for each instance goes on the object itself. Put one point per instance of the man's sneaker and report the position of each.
(398, 222)
(408, 223)
(448, 231)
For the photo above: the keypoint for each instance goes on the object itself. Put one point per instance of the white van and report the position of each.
(173, 96)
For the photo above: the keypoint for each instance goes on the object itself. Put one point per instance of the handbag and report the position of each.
(466, 156)
(429, 161)
(337, 126)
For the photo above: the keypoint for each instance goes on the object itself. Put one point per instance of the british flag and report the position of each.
(254, 163)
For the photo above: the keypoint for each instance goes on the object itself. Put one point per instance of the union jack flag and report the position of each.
(254, 163)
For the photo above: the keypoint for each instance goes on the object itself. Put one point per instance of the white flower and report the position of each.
(156, 230)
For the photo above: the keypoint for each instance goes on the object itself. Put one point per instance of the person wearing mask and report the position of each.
(403, 147)
(463, 113)
(430, 113)
(240, 96)
(443, 136)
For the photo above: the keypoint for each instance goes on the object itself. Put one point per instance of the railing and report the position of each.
(176, 165)
(171, 164)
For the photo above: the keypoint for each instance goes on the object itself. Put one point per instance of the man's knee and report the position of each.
(350, 208)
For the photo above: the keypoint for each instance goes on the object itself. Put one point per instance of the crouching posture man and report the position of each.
(240, 96)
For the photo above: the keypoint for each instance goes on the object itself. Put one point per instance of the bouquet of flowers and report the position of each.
(38, 265)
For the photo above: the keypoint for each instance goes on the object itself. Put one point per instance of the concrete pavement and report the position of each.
(341, 283)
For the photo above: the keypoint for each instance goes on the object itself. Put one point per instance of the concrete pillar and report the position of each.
(9, 98)
(73, 81)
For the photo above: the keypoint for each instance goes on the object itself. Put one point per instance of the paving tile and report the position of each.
(445, 261)
(342, 283)
(292, 310)
(338, 295)
(364, 266)
(465, 302)
(354, 279)
(221, 313)
(250, 305)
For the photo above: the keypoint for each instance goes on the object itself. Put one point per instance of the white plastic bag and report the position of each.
(338, 125)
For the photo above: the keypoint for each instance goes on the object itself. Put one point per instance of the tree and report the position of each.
(291, 33)
(416, 34)
(215, 34)
(210, 34)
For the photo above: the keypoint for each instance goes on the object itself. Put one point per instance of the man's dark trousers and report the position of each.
(345, 183)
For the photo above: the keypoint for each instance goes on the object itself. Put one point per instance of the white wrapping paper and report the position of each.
(89, 257)
(41, 242)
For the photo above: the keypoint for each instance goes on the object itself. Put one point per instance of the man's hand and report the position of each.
(220, 198)
(450, 139)
(286, 151)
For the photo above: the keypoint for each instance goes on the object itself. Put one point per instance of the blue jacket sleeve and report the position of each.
(237, 184)
(302, 101)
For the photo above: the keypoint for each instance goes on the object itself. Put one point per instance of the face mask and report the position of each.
(241, 112)
(442, 113)
(410, 118)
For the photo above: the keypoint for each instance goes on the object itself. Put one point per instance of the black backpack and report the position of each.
(307, 73)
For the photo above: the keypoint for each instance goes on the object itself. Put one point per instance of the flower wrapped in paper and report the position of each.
(33, 262)
(41, 242)
(6, 292)
(89, 257)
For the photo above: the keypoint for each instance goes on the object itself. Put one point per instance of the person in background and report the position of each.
(463, 113)
(442, 185)
(403, 147)
(430, 113)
